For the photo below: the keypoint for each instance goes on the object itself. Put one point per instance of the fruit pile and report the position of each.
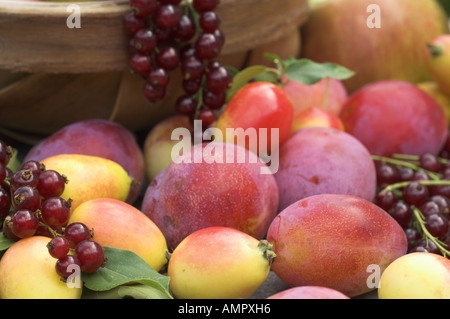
(165, 37)
(325, 189)
(31, 205)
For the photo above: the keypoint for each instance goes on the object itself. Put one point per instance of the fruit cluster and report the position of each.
(31, 205)
(415, 190)
(166, 35)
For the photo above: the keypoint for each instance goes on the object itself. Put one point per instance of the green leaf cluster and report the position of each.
(304, 71)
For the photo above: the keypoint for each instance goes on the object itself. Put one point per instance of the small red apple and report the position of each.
(316, 116)
(329, 94)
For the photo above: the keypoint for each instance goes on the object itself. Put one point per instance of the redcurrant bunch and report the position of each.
(76, 249)
(415, 191)
(36, 205)
(170, 34)
(31, 205)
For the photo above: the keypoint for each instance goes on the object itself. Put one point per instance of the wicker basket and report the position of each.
(52, 75)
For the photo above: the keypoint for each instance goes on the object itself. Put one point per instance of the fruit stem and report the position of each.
(435, 50)
(395, 186)
(440, 245)
(267, 249)
(434, 176)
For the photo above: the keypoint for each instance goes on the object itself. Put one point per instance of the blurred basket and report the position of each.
(52, 75)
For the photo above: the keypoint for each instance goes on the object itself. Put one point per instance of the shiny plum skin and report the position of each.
(317, 160)
(391, 117)
(186, 197)
(333, 240)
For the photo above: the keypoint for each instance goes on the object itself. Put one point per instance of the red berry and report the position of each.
(141, 63)
(158, 77)
(166, 16)
(35, 166)
(26, 197)
(154, 93)
(132, 23)
(76, 233)
(5, 153)
(145, 41)
(207, 47)
(205, 5)
(23, 177)
(67, 265)
(55, 211)
(91, 255)
(5, 202)
(185, 29)
(51, 184)
(209, 21)
(143, 8)
(168, 58)
(58, 247)
(24, 223)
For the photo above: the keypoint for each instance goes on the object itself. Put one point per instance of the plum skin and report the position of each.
(331, 239)
(391, 117)
(317, 160)
(186, 197)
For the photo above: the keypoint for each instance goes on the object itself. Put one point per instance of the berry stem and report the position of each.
(421, 220)
(399, 162)
(395, 186)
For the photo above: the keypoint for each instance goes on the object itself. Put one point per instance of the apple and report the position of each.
(393, 116)
(316, 116)
(120, 225)
(218, 263)
(417, 275)
(316, 160)
(334, 241)
(27, 271)
(309, 292)
(90, 177)
(208, 186)
(329, 94)
(97, 137)
(262, 106)
(437, 58)
(443, 99)
(377, 40)
(158, 144)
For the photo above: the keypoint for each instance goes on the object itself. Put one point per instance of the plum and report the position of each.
(335, 241)
(392, 116)
(308, 292)
(194, 193)
(97, 137)
(316, 160)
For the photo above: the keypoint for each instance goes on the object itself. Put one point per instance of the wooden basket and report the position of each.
(52, 75)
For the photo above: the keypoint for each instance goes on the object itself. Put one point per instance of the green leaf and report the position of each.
(243, 77)
(137, 291)
(14, 163)
(125, 267)
(5, 242)
(308, 72)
